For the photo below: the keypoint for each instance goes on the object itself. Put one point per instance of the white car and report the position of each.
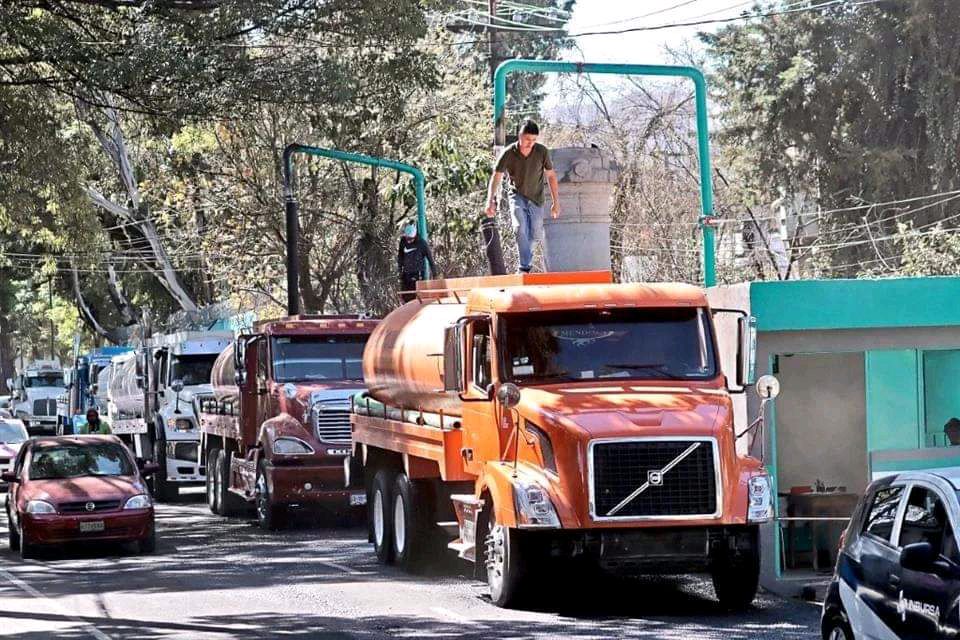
(12, 434)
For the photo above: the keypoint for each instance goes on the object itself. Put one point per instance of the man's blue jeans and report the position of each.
(528, 226)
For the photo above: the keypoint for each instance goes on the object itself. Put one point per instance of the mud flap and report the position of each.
(467, 508)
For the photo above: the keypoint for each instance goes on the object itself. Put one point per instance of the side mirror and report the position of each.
(149, 468)
(177, 385)
(768, 387)
(452, 359)
(918, 556)
(9, 477)
(508, 395)
(746, 349)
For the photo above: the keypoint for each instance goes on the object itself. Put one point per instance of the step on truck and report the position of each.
(151, 404)
(558, 417)
(35, 391)
(276, 426)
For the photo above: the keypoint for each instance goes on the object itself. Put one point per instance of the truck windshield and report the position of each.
(193, 370)
(318, 358)
(75, 460)
(669, 343)
(44, 380)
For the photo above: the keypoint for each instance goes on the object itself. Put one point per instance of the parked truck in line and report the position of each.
(276, 427)
(81, 381)
(559, 417)
(35, 390)
(150, 404)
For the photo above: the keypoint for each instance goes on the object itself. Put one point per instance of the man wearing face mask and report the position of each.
(411, 254)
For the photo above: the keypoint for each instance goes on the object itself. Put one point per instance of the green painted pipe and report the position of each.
(293, 299)
(703, 138)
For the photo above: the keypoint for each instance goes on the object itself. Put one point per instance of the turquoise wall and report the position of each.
(894, 399)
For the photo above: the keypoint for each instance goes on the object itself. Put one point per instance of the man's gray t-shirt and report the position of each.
(526, 172)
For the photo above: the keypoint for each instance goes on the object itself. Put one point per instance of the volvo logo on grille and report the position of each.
(655, 478)
(89, 506)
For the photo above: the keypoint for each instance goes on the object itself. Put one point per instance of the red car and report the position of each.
(76, 488)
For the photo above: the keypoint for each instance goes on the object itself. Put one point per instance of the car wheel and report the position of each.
(212, 492)
(148, 544)
(836, 628)
(28, 549)
(12, 534)
(382, 514)
(269, 515)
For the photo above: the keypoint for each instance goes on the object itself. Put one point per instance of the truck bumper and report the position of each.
(312, 485)
(648, 550)
(41, 426)
(183, 462)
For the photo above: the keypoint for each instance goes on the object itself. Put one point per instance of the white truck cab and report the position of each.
(35, 392)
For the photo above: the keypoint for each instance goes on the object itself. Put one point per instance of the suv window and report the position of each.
(883, 512)
(926, 520)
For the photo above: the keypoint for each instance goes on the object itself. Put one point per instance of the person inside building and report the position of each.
(952, 430)
(527, 163)
(94, 424)
(412, 253)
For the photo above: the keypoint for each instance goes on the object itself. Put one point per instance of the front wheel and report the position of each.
(229, 504)
(28, 549)
(506, 563)
(163, 489)
(736, 578)
(836, 628)
(269, 515)
(12, 534)
(148, 544)
(213, 493)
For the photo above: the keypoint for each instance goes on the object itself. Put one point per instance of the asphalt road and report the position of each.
(213, 578)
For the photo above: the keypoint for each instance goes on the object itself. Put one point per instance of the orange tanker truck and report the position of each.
(559, 416)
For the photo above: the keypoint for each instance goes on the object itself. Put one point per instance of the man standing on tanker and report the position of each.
(527, 163)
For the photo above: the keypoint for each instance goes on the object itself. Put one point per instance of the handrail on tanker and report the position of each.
(291, 206)
(703, 140)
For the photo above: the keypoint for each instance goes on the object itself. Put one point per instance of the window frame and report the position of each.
(929, 486)
(897, 518)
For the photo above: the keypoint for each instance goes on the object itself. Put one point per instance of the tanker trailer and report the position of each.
(557, 417)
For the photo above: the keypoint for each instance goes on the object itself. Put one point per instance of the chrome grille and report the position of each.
(45, 407)
(332, 422)
(688, 487)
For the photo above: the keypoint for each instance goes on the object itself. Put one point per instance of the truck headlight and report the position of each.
(180, 424)
(759, 499)
(141, 501)
(40, 506)
(287, 446)
(534, 507)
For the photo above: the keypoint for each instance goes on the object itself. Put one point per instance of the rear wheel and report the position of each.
(735, 578)
(212, 492)
(269, 515)
(506, 563)
(382, 516)
(229, 503)
(410, 531)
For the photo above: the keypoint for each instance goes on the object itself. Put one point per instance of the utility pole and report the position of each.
(488, 226)
(50, 313)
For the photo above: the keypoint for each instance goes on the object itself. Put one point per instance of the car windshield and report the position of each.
(44, 380)
(192, 370)
(669, 343)
(318, 358)
(12, 432)
(75, 460)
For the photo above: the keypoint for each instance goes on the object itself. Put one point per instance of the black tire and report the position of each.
(229, 503)
(213, 494)
(28, 549)
(12, 534)
(270, 516)
(163, 490)
(411, 527)
(382, 516)
(836, 628)
(148, 544)
(506, 563)
(735, 579)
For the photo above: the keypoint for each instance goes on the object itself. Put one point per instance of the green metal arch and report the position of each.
(703, 138)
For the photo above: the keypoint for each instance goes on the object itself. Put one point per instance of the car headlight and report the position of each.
(40, 506)
(180, 424)
(759, 499)
(286, 446)
(141, 501)
(534, 507)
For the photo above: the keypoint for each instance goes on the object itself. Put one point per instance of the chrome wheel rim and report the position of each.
(496, 558)
(262, 500)
(378, 517)
(211, 490)
(837, 634)
(399, 525)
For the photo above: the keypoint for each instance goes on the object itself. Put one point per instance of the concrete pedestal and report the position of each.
(579, 240)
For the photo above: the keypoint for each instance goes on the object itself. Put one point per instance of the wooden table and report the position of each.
(827, 514)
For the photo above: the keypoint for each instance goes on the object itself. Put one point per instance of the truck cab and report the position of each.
(276, 427)
(82, 382)
(35, 393)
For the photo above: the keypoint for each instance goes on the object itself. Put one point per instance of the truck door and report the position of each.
(483, 436)
(253, 392)
(926, 598)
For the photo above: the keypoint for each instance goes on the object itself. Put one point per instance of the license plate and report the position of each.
(91, 526)
(358, 499)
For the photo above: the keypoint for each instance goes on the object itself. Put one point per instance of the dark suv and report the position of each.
(898, 570)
